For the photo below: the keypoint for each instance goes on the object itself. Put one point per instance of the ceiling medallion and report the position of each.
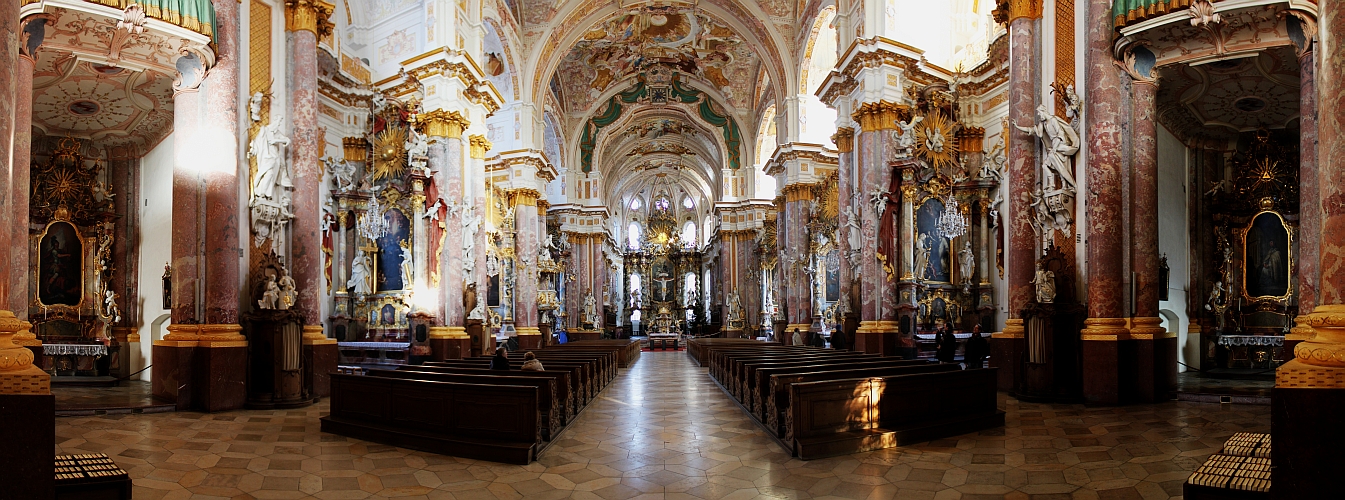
(84, 107)
(1250, 104)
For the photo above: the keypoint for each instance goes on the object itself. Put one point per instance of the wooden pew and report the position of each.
(488, 422)
(840, 417)
(629, 349)
(579, 373)
(757, 383)
(565, 389)
(776, 396)
(605, 363)
(744, 369)
(699, 348)
(550, 408)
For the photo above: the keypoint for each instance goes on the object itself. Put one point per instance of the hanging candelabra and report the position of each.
(373, 225)
(951, 224)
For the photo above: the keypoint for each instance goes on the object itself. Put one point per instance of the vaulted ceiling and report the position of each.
(1218, 100)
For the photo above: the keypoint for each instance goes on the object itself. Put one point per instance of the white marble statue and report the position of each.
(689, 296)
(1060, 142)
(471, 223)
(343, 174)
(921, 255)
(993, 166)
(361, 274)
(967, 260)
(879, 198)
(478, 312)
(735, 308)
(1045, 281)
(110, 309)
(289, 293)
(417, 147)
(907, 138)
(934, 139)
(853, 235)
(591, 311)
(270, 197)
(408, 266)
(271, 297)
(255, 106)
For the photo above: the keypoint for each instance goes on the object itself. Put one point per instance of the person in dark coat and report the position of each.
(500, 361)
(947, 341)
(977, 349)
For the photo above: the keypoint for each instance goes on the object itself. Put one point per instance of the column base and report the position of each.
(320, 361)
(1006, 353)
(1306, 437)
(1101, 352)
(529, 337)
(1155, 355)
(449, 342)
(881, 337)
(206, 375)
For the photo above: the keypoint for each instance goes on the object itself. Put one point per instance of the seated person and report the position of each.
(530, 363)
(500, 361)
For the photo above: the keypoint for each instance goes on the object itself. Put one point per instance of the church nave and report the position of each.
(663, 428)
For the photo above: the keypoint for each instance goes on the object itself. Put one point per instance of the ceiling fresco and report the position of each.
(110, 105)
(1230, 96)
(686, 39)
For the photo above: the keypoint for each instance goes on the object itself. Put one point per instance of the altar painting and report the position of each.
(833, 284)
(1267, 255)
(60, 265)
(392, 250)
(931, 249)
(664, 283)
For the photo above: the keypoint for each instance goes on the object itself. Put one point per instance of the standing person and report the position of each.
(977, 349)
(947, 350)
(500, 361)
(530, 363)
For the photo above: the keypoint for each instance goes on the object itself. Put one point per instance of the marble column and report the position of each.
(17, 300)
(525, 285)
(845, 198)
(1156, 350)
(304, 19)
(444, 129)
(219, 97)
(1309, 392)
(1309, 205)
(878, 330)
(26, 403)
(1021, 242)
(800, 312)
(1106, 323)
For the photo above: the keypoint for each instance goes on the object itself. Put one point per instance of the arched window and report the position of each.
(635, 204)
(688, 204)
(689, 234)
(633, 235)
(709, 225)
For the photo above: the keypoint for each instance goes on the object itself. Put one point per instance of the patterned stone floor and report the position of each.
(663, 429)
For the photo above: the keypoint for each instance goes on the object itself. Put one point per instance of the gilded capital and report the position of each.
(356, 148)
(479, 146)
(844, 139)
(524, 197)
(440, 123)
(1030, 9)
(881, 115)
(309, 15)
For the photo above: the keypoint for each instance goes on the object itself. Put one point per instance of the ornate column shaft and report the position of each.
(1144, 203)
(1106, 322)
(1309, 204)
(1020, 240)
(446, 161)
(186, 201)
(304, 20)
(800, 305)
(526, 219)
(219, 96)
(845, 190)
(17, 301)
(878, 276)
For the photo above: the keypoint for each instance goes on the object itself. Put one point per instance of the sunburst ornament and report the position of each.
(934, 141)
(389, 153)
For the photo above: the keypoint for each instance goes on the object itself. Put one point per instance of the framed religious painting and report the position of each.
(932, 260)
(60, 267)
(665, 284)
(394, 253)
(1267, 257)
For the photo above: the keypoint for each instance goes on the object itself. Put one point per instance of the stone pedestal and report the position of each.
(1306, 434)
(28, 438)
(320, 360)
(197, 372)
(449, 342)
(529, 338)
(1006, 354)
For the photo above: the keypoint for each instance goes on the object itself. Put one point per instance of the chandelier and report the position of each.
(951, 224)
(373, 225)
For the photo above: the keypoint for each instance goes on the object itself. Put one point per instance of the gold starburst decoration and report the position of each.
(934, 141)
(389, 153)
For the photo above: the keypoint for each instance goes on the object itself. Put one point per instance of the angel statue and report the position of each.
(935, 140)
(271, 297)
(1045, 281)
(361, 274)
(967, 259)
(110, 309)
(591, 311)
(289, 293)
(907, 139)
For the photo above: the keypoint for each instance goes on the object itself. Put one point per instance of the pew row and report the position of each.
(492, 422)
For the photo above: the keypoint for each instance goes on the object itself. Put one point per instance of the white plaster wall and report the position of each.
(1174, 241)
(156, 241)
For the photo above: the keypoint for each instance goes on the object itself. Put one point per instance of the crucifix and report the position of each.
(663, 281)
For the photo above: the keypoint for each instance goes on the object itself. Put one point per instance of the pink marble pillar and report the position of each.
(525, 270)
(800, 310)
(873, 279)
(1331, 155)
(446, 159)
(305, 259)
(219, 95)
(1105, 121)
(845, 189)
(726, 264)
(1021, 245)
(1144, 199)
(186, 263)
(1309, 206)
(17, 301)
(9, 85)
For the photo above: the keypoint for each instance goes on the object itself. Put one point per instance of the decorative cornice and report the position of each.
(440, 123)
(479, 146)
(309, 15)
(343, 97)
(523, 197)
